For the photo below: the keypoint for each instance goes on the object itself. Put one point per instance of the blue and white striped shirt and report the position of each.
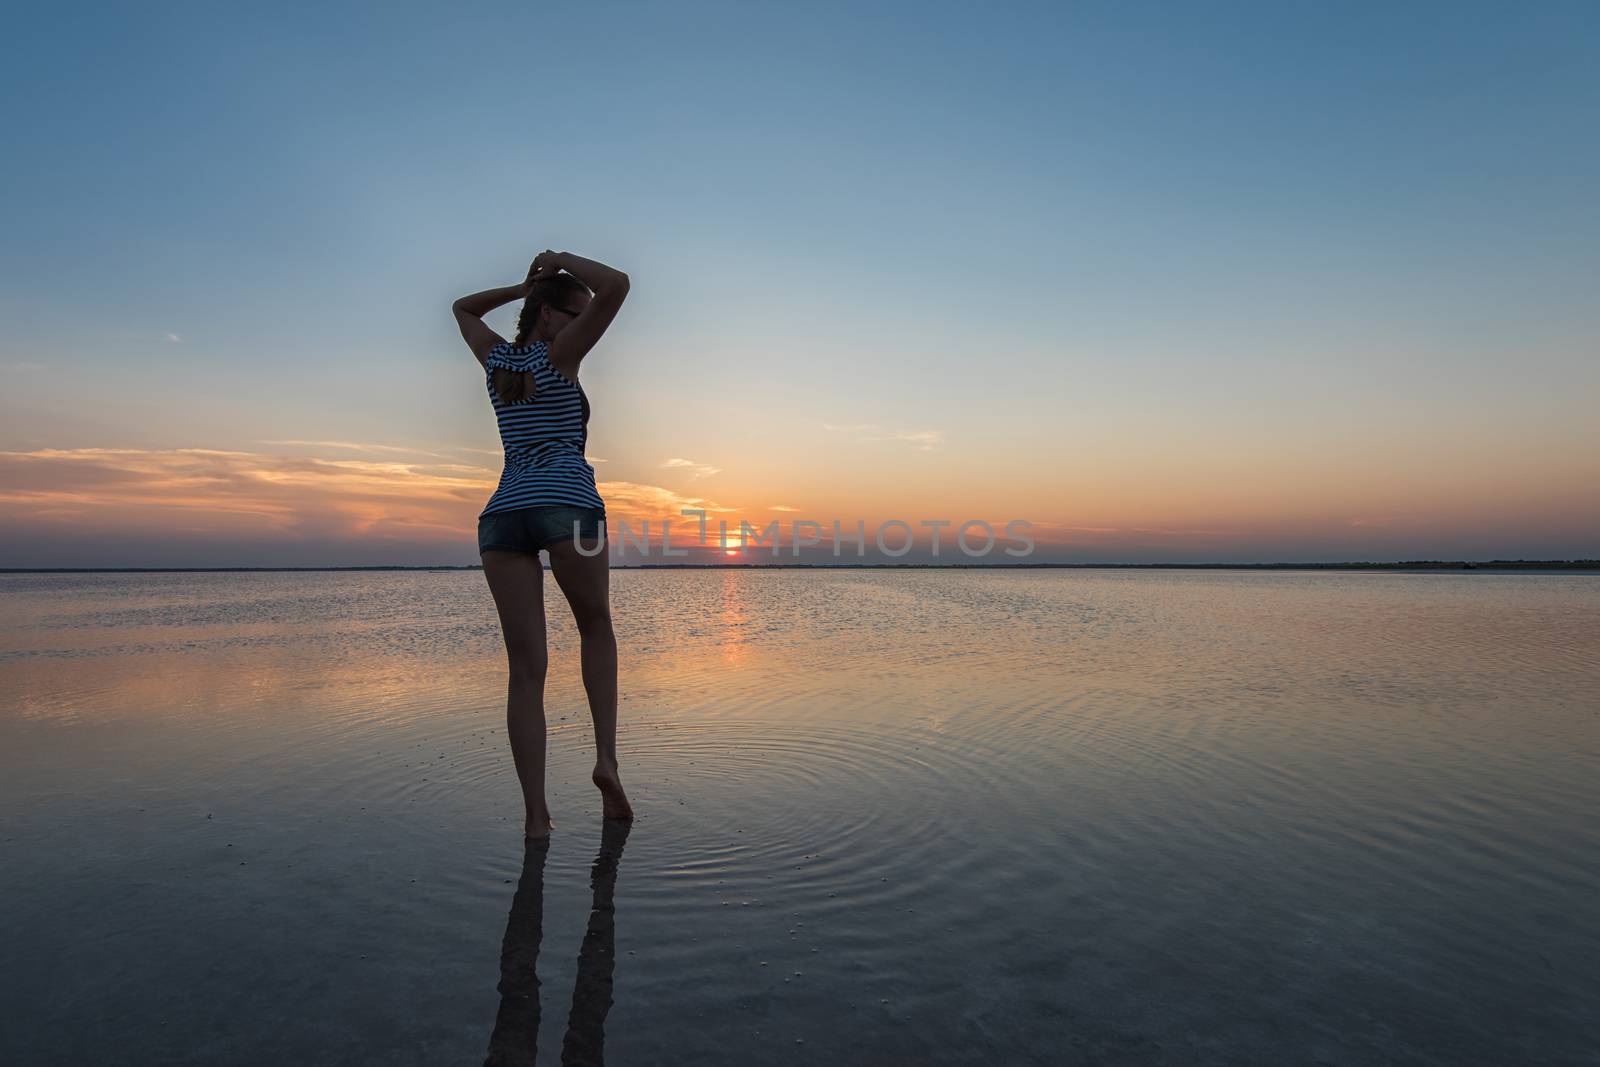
(544, 435)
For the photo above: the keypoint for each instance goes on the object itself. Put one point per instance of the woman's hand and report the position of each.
(544, 266)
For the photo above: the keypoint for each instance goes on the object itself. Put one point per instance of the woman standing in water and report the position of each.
(547, 499)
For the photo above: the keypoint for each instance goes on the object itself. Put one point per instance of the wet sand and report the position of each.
(920, 817)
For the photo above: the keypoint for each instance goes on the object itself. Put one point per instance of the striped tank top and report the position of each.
(544, 435)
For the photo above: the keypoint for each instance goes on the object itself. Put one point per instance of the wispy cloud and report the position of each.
(696, 470)
(922, 440)
(925, 440)
(1116, 539)
(653, 501)
(1071, 528)
(235, 496)
(171, 338)
(780, 507)
(355, 446)
(231, 492)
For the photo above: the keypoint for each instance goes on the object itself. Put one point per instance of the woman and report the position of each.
(547, 499)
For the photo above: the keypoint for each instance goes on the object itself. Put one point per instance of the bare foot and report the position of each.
(615, 801)
(532, 830)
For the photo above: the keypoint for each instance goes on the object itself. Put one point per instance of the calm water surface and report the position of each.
(884, 818)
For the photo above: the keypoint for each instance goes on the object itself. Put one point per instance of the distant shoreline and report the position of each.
(1581, 566)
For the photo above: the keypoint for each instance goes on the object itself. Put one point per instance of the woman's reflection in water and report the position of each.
(516, 1028)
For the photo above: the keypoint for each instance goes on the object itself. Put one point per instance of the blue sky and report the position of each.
(1121, 240)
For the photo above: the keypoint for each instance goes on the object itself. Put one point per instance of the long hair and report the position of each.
(556, 290)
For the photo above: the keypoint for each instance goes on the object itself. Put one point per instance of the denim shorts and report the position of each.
(530, 529)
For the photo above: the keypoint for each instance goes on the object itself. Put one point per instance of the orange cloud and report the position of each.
(110, 486)
(123, 491)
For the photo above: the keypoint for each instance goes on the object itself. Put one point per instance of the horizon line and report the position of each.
(1497, 564)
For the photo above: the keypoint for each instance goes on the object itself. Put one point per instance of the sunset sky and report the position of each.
(1210, 283)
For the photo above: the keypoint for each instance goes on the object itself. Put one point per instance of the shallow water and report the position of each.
(884, 817)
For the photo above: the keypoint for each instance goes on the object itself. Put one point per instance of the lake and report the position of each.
(884, 817)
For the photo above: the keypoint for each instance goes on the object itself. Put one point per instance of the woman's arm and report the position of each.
(480, 304)
(597, 276)
(610, 289)
(469, 312)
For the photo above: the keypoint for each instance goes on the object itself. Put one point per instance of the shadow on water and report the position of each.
(516, 1026)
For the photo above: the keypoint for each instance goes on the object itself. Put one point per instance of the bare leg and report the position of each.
(517, 581)
(586, 581)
